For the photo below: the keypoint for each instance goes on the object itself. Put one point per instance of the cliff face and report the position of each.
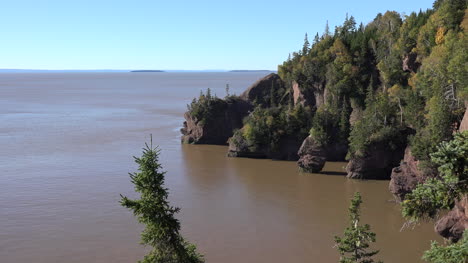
(226, 117)
(464, 123)
(313, 96)
(379, 158)
(405, 177)
(264, 91)
(452, 225)
(287, 149)
(270, 130)
(410, 63)
(377, 163)
(312, 156)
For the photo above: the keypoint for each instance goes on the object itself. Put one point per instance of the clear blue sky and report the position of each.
(170, 34)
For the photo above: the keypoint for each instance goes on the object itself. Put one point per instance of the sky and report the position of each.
(170, 34)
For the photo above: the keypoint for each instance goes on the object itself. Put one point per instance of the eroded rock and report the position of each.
(410, 63)
(225, 118)
(262, 90)
(377, 162)
(452, 225)
(286, 150)
(405, 177)
(312, 156)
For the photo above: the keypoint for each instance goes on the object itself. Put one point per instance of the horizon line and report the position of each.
(97, 69)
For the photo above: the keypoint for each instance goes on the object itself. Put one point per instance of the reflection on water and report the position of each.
(269, 212)
(67, 142)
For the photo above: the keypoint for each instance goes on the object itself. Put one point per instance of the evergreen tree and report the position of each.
(152, 209)
(454, 253)
(353, 246)
(327, 33)
(316, 39)
(305, 47)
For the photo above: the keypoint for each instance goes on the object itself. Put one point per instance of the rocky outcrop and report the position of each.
(286, 150)
(410, 63)
(303, 96)
(452, 225)
(224, 119)
(313, 96)
(405, 177)
(356, 114)
(464, 123)
(312, 156)
(377, 162)
(261, 92)
(320, 93)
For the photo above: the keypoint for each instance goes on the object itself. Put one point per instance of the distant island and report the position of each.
(147, 71)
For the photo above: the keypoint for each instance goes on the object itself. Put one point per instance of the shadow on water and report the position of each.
(333, 173)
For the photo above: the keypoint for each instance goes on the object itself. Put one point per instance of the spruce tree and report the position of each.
(154, 211)
(306, 46)
(353, 246)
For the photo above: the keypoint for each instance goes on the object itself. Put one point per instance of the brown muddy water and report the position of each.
(67, 141)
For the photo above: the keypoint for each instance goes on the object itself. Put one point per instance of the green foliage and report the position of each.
(354, 245)
(440, 193)
(265, 127)
(205, 108)
(454, 253)
(438, 120)
(379, 123)
(162, 229)
(323, 124)
(329, 127)
(365, 65)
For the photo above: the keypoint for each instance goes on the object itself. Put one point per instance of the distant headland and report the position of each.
(247, 70)
(147, 71)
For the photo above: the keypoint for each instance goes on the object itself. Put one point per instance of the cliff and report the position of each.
(217, 122)
(405, 177)
(265, 92)
(275, 129)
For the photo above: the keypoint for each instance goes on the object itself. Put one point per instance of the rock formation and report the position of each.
(312, 156)
(410, 63)
(405, 177)
(287, 149)
(464, 123)
(313, 96)
(261, 91)
(377, 162)
(303, 96)
(452, 225)
(226, 118)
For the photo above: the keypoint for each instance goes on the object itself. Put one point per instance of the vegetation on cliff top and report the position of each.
(207, 106)
(396, 72)
(265, 127)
